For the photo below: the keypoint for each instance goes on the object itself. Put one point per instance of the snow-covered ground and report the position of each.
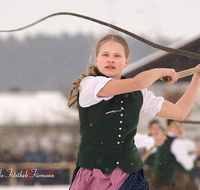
(42, 107)
(36, 187)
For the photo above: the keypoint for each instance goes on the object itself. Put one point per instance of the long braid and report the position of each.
(92, 70)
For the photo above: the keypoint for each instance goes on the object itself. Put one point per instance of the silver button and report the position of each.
(119, 135)
(120, 121)
(122, 108)
(120, 128)
(122, 102)
(118, 142)
(121, 115)
(117, 162)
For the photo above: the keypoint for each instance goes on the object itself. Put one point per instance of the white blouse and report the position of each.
(144, 141)
(181, 148)
(90, 86)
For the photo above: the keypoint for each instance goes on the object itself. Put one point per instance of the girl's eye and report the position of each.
(105, 54)
(117, 55)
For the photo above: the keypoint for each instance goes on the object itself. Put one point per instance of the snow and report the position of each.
(36, 187)
(38, 108)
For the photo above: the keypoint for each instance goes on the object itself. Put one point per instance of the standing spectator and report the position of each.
(154, 129)
(172, 156)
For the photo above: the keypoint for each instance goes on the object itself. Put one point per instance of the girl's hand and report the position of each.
(159, 139)
(172, 74)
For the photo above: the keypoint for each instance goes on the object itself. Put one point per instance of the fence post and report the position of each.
(13, 168)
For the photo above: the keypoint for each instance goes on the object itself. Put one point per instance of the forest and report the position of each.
(52, 63)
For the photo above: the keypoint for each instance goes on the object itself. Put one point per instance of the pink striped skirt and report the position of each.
(95, 180)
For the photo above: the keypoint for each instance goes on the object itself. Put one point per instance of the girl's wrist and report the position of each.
(196, 80)
(161, 72)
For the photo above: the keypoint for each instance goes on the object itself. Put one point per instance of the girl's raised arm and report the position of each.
(181, 108)
(139, 82)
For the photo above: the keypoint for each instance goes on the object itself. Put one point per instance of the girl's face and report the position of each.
(111, 59)
(155, 129)
(177, 129)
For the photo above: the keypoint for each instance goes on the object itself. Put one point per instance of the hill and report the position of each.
(51, 63)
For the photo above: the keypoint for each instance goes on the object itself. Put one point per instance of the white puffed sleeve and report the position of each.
(144, 141)
(89, 88)
(151, 103)
(181, 154)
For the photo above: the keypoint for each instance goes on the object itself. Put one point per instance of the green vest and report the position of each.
(165, 165)
(107, 140)
(150, 160)
(180, 168)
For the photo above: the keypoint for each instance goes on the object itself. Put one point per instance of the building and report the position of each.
(29, 120)
(162, 59)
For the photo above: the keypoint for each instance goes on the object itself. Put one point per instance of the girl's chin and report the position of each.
(111, 75)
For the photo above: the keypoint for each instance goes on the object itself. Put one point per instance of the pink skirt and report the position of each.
(94, 180)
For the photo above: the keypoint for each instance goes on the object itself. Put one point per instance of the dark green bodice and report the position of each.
(165, 162)
(107, 140)
(150, 160)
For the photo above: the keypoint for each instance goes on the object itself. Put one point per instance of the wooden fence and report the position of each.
(14, 167)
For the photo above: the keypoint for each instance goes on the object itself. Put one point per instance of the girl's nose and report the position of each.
(110, 60)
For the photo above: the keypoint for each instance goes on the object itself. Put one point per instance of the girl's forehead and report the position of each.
(112, 45)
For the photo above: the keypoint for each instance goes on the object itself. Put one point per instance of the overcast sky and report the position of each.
(154, 18)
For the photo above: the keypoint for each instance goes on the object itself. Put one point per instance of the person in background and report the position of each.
(172, 158)
(154, 137)
(154, 130)
(109, 107)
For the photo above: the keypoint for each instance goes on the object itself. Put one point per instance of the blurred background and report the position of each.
(39, 64)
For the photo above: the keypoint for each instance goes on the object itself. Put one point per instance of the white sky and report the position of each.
(154, 18)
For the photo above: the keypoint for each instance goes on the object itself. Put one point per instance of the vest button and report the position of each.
(122, 108)
(122, 102)
(120, 121)
(118, 142)
(120, 128)
(117, 162)
(121, 115)
(119, 135)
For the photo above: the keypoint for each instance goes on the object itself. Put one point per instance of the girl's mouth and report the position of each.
(110, 67)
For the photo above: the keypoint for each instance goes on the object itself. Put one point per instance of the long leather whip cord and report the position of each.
(157, 46)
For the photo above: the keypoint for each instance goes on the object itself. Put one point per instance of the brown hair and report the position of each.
(92, 70)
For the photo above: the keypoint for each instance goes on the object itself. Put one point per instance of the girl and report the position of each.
(109, 106)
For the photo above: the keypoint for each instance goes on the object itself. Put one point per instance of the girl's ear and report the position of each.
(126, 63)
(96, 60)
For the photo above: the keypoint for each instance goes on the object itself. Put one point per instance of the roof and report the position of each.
(167, 60)
(39, 108)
